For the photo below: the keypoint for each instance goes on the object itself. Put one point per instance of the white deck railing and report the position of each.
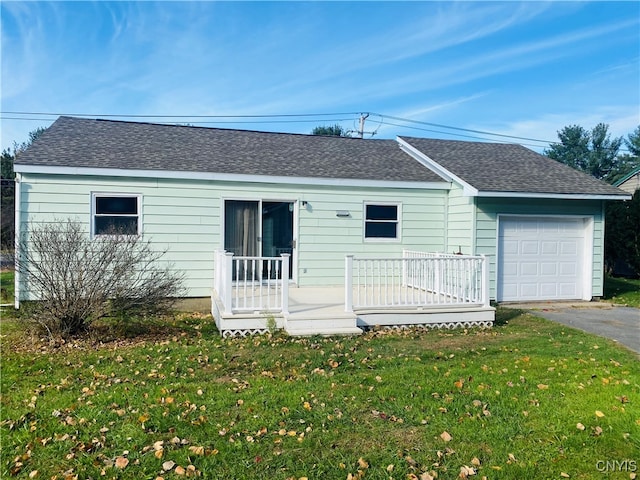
(252, 284)
(418, 279)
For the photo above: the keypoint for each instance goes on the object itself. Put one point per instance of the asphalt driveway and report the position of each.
(621, 324)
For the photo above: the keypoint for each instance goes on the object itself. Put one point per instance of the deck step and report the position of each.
(325, 332)
(321, 323)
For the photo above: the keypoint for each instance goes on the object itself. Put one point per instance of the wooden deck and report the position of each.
(321, 311)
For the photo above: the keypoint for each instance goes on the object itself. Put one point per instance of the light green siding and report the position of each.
(460, 211)
(185, 217)
(488, 210)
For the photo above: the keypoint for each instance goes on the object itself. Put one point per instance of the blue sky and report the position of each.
(525, 69)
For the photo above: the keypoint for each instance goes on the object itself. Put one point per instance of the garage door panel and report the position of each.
(568, 290)
(529, 269)
(549, 290)
(540, 258)
(568, 269)
(529, 247)
(529, 290)
(548, 268)
(549, 248)
(510, 246)
(569, 248)
(510, 269)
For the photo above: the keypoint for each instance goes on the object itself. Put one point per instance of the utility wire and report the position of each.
(293, 115)
(461, 129)
(458, 134)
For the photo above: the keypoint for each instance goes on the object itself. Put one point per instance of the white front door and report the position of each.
(541, 258)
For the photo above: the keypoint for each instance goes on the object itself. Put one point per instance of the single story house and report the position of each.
(367, 232)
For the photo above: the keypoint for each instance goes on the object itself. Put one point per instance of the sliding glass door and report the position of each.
(259, 228)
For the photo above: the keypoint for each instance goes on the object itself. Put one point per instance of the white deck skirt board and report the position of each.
(541, 258)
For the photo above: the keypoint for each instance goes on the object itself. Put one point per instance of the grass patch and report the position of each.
(7, 287)
(526, 399)
(622, 290)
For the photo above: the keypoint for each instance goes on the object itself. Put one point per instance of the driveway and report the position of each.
(621, 324)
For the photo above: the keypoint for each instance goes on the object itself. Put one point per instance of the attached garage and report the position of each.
(544, 258)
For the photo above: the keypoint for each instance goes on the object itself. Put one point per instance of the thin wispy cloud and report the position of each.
(513, 65)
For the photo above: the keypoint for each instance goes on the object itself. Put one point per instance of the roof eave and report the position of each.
(559, 196)
(228, 177)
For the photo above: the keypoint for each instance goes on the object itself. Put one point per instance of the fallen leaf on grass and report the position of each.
(580, 426)
(565, 475)
(168, 465)
(542, 386)
(599, 414)
(196, 450)
(445, 436)
(122, 462)
(466, 471)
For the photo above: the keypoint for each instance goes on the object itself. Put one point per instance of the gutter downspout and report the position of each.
(17, 220)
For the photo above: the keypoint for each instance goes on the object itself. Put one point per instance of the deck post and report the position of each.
(227, 282)
(485, 281)
(286, 258)
(348, 283)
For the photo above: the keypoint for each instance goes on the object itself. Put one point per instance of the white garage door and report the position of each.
(540, 258)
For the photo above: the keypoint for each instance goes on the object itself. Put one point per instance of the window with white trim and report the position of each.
(116, 213)
(381, 221)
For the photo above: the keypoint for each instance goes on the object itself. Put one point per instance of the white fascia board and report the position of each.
(558, 196)
(228, 177)
(467, 189)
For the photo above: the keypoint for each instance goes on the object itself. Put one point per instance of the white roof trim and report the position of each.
(227, 177)
(562, 196)
(467, 189)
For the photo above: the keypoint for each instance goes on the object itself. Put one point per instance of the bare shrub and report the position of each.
(78, 280)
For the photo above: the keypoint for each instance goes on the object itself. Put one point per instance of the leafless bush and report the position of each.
(78, 279)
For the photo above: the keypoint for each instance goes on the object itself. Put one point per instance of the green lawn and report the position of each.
(526, 399)
(6, 286)
(622, 290)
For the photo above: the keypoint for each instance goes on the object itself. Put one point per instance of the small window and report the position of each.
(116, 214)
(381, 221)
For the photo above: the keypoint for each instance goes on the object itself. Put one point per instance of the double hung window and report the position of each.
(382, 221)
(116, 214)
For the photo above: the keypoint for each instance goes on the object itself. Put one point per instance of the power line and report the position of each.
(457, 134)
(299, 120)
(481, 132)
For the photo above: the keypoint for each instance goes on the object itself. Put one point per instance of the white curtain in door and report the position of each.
(241, 228)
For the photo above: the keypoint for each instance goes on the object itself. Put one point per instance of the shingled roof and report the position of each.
(86, 143)
(499, 167)
(116, 145)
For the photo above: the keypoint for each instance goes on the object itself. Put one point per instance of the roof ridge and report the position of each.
(202, 127)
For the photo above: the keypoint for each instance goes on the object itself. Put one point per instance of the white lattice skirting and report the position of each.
(426, 326)
(441, 325)
(244, 332)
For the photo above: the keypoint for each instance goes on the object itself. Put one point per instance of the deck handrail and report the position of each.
(417, 279)
(251, 283)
